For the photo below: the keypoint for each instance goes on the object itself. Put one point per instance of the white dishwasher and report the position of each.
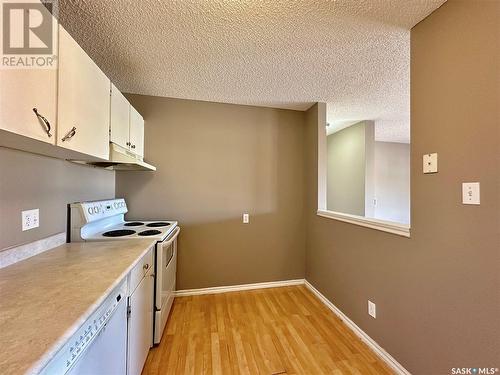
(100, 344)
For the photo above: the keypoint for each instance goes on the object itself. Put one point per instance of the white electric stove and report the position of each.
(105, 221)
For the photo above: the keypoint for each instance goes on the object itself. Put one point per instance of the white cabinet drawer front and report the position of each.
(84, 101)
(120, 118)
(140, 270)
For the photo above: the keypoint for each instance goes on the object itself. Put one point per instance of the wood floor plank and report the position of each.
(271, 331)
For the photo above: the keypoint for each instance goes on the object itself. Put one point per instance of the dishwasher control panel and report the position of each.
(67, 356)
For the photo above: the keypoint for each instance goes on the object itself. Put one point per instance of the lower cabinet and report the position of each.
(117, 336)
(140, 322)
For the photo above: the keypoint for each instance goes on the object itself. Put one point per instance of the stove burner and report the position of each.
(158, 224)
(150, 232)
(118, 233)
(133, 224)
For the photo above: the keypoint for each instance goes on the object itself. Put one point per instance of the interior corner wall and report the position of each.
(436, 292)
(215, 162)
(369, 168)
(346, 168)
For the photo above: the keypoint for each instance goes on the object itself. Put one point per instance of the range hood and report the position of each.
(121, 159)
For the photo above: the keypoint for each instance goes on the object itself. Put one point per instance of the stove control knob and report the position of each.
(90, 210)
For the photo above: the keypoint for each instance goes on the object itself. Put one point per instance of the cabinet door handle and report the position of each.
(133, 146)
(45, 122)
(128, 143)
(70, 134)
(145, 267)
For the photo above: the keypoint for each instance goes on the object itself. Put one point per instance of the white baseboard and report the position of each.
(386, 357)
(377, 349)
(236, 288)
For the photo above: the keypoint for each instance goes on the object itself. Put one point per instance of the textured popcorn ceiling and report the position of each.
(392, 130)
(351, 54)
(385, 130)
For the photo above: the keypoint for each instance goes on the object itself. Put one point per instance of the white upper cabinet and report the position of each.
(136, 132)
(73, 106)
(83, 112)
(23, 95)
(120, 118)
(126, 124)
(23, 90)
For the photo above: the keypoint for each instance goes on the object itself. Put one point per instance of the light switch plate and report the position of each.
(372, 309)
(471, 193)
(30, 219)
(430, 163)
(246, 218)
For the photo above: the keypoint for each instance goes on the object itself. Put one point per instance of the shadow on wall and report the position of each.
(216, 162)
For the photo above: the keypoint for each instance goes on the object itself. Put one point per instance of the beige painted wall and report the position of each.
(437, 292)
(215, 162)
(346, 167)
(29, 181)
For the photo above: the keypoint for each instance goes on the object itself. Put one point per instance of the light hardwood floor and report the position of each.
(283, 330)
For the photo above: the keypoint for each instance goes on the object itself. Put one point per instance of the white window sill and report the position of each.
(384, 226)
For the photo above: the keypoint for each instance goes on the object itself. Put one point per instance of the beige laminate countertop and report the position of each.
(46, 298)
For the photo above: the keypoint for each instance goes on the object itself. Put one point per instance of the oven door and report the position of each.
(166, 268)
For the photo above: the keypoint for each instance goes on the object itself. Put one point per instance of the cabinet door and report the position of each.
(120, 118)
(140, 324)
(22, 90)
(136, 132)
(84, 101)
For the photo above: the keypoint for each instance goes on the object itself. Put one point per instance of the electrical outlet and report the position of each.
(372, 309)
(246, 218)
(30, 219)
(471, 193)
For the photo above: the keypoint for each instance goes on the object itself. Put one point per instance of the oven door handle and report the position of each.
(172, 238)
